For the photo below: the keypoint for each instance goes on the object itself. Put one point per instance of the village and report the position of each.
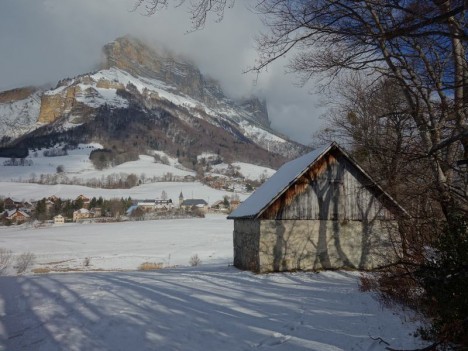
(58, 211)
(234, 175)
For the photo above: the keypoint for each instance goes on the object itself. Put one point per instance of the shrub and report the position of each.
(24, 261)
(444, 280)
(5, 258)
(150, 266)
(195, 260)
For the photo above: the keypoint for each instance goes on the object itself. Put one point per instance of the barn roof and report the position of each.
(286, 176)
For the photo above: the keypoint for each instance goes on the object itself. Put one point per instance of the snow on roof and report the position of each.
(194, 202)
(277, 184)
(10, 213)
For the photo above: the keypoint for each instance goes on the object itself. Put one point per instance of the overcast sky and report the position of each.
(43, 41)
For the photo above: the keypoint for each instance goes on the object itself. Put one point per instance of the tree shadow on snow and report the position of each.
(200, 308)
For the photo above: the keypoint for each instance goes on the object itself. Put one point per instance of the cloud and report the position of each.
(44, 41)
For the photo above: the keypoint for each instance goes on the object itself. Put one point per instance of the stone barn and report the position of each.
(320, 211)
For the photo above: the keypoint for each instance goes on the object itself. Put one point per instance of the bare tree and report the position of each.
(199, 9)
(419, 44)
(417, 51)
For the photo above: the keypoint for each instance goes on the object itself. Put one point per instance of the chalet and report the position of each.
(155, 205)
(53, 198)
(10, 203)
(219, 206)
(163, 205)
(320, 211)
(199, 204)
(82, 213)
(96, 212)
(16, 216)
(59, 219)
(233, 204)
(84, 199)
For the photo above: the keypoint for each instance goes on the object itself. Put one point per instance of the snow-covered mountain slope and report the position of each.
(77, 175)
(137, 80)
(19, 115)
(107, 87)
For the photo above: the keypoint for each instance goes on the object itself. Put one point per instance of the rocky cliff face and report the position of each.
(136, 58)
(10, 96)
(133, 56)
(54, 106)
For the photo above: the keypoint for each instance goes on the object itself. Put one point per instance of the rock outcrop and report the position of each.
(14, 95)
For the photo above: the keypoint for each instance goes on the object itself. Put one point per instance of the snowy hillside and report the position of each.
(78, 169)
(99, 88)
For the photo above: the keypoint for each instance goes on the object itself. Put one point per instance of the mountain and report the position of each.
(144, 99)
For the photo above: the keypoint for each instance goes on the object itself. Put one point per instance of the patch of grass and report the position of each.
(42, 270)
(5, 259)
(24, 261)
(55, 262)
(150, 266)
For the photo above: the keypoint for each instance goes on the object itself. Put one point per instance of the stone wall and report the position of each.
(313, 244)
(246, 244)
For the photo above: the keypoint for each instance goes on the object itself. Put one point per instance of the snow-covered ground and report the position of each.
(254, 172)
(79, 169)
(125, 245)
(77, 164)
(209, 307)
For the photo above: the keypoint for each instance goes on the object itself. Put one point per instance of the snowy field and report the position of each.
(122, 246)
(209, 307)
(76, 165)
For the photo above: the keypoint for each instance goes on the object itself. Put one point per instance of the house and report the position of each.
(82, 213)
(95, 212)
(155, 205)
(59, 219)
(146, 205)
(233, 204)
(130, 210)
(85, 200)
(190, 204)
(10, 203)
(16, 216)
(219, 206)
(163, 205)
(320, 211)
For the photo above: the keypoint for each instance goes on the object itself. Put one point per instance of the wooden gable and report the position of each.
(326, 184)
(332, 188)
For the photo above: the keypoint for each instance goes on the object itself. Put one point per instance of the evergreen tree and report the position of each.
(41, 209)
